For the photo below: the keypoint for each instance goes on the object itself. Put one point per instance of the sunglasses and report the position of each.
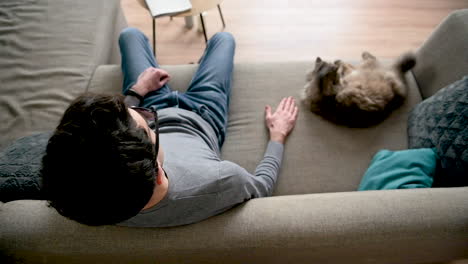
(150, 115)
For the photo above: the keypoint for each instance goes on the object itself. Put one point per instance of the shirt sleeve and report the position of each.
(238, 185)
(267, 170)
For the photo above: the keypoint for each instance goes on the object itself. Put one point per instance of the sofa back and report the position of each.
(443, 57)
(49, 52)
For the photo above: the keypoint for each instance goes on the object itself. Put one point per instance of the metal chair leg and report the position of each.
(203, 25)
(221, 14)
(154, 37)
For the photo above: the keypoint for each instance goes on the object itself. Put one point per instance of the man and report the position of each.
(116, 160)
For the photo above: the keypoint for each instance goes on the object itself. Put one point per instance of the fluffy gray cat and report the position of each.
(357, 96)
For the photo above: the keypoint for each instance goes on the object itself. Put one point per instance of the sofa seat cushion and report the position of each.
(49, 52)
(319, 155)
(441, 122)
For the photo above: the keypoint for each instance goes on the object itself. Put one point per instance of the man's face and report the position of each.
(141, 122)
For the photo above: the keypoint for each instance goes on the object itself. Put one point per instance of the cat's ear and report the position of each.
(338, 62)
(318, 60)
(367, 56)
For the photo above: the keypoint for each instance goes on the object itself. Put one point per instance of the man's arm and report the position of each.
(150, 80)
(266, 173)
(239, 185)
(280, 123)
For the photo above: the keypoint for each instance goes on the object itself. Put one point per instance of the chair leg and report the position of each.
(203, 25)
(221, 14)
(154, 37)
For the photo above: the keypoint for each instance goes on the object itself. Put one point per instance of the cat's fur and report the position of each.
(357, 96)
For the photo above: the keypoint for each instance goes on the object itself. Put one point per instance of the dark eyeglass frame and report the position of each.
(150, 114)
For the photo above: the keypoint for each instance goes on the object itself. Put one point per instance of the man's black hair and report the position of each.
(99, 167)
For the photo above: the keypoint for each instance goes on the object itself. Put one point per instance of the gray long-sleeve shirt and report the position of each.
(200, 183)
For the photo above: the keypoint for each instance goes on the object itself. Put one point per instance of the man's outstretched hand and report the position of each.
(150, 80)
(282, 121)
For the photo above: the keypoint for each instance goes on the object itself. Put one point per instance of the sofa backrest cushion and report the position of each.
(441, 121)
(445, 47)
(49, 50)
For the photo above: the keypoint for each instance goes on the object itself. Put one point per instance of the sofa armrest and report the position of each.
(398, 226)
(443, 57)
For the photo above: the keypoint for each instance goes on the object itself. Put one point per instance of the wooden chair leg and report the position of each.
(221, 15)
(203, 25)
(154, 37)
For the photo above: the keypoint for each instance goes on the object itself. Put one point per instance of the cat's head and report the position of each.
(326, 74)
(324, 68)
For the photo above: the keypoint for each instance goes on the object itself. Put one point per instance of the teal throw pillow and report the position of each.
(404, 169)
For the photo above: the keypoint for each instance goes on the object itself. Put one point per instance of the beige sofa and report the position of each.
(316, 216)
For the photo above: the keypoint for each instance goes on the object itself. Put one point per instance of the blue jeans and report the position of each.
(208, 92)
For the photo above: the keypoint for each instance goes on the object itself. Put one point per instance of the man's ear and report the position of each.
(160, 175)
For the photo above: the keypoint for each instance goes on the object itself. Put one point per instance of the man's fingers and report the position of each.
(164, 75)
(287, 104)
(163, 72)
(295, 112)
(282, 104)
(291, 104)
(163, 81)
(267, 111)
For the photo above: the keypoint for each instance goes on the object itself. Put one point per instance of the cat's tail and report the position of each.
(405, 62)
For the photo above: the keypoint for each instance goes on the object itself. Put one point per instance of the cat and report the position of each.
(357, 96)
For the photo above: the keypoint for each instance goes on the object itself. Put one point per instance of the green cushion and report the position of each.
(403, 169)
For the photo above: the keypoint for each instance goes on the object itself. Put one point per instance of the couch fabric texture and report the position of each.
(20, 165)
(315, 216)
(441, 58)
(49, 51)
(441, 121)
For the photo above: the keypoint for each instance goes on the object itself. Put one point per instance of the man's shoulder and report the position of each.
(229, 167)
(232, 173)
